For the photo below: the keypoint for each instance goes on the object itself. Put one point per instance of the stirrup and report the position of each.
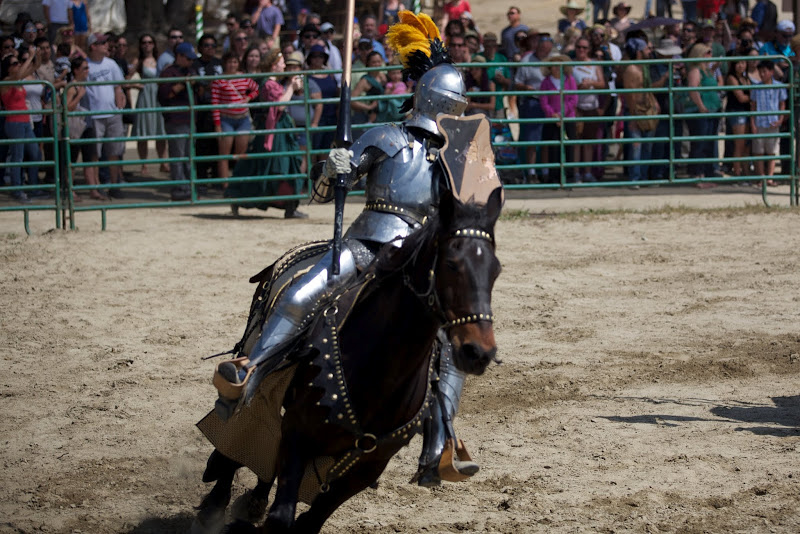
(456, 464)
(226, 387)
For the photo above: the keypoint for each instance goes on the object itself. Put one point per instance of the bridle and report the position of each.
(430, 297)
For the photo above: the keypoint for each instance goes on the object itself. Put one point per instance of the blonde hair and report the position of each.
(699, 50)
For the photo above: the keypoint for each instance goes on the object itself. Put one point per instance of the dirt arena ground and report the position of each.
(649, 382)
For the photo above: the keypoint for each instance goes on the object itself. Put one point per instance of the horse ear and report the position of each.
(494, 205)
(447, 205)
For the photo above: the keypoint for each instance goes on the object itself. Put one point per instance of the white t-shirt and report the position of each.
(101, 97)
(58, 10)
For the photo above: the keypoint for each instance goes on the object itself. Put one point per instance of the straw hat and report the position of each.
(571, 4)
(667, 47)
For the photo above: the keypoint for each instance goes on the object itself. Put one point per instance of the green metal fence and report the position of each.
(149, 193)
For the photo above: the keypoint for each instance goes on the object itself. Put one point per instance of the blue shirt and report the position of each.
(771, 49)
(767, 99)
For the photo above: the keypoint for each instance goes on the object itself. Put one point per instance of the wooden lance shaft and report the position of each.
(344, 137)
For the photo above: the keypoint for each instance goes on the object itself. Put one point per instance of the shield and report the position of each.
(468, 158)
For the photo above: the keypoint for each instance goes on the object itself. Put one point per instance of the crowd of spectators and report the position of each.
(280, 38)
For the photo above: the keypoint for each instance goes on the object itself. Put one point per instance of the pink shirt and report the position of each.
(551, 103)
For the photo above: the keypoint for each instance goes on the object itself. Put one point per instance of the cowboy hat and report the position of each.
(667, 47)
(571, 4)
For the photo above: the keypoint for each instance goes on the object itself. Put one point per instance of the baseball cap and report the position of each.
(786, 26)
(326, 27)
(97, 38)
(185, 49)
(489, 36)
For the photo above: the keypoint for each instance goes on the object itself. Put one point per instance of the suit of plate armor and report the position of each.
(402, 180)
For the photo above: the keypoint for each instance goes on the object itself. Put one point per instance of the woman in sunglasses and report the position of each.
(148, 124)
(18, 126)
(66, 34)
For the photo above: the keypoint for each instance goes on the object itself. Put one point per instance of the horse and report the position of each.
(440, 278)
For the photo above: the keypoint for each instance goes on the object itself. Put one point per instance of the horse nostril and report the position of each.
(475, 359)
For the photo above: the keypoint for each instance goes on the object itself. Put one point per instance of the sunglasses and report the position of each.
(310, 36)
(457, 45)
(176, 36)
(512, 13)
(68, 32)
(241, 38)
(207, 45)
(8, 46)
(580, 47)
(147, 42)
(14, 63)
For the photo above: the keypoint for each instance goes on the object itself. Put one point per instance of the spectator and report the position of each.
(738, 105)
(700, 75)
(251, 60)
(469, 23)
(239, 44)
(371, 84)
(298, 111)
(589, 78)
(75, 95)
(363, 50)
(309, 36)
(508, 40)
(454, 27)
(56, 13)
(103, 100)
(599, 6)
(568, 40)
(458, 49)
(22, 20)
(621, 21)
(529, 78)
(766, 99)
(369, 30)
(639, 103)
(334, 55)
(557, 80)
(66, 35)
(779, 46)
(453, 10)
(167, 57)
(232, 25)
(661, 74)
(148, 124)
(473, 42)
(272, 118)
(765, 15)
(237, 92)
(268, 19)
(207, 64)
(477, 81)
(317, 59)
(688, 37)
(246, 25)
(37, 95)
(19, 126)
(388, 12)
(177, 124)
(501, 76)
(571, 11)
(61, 64)
(81, 20)
(689, 9)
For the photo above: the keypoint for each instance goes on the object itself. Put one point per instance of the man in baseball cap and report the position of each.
(177, 124)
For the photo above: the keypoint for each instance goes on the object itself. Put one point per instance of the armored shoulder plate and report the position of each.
(390, 139)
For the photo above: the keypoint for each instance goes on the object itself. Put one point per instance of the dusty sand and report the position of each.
(649, 383)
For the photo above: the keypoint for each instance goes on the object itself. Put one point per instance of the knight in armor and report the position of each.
(402, 172)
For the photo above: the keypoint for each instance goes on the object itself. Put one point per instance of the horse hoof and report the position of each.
(240, 527)
(208, 522)
(249, 507)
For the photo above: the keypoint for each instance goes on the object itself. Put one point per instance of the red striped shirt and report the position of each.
(236, 91)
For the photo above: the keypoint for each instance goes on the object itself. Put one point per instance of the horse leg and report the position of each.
(252, 505)
(211, 512)
(359, 478)
(290, 474)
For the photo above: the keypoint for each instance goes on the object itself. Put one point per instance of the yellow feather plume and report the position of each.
(412, 33)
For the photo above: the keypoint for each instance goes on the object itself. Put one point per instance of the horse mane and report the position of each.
(391, 259)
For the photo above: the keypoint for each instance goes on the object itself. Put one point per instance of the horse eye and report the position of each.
(452, 265)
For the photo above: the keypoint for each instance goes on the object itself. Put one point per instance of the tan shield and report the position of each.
(468, 157)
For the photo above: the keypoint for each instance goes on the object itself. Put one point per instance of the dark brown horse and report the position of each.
(442, 277)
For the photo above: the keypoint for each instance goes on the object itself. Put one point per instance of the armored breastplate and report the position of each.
(400, 187)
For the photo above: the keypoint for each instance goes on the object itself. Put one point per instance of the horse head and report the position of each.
(466, 269)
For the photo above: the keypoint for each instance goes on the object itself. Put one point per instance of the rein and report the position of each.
(430, 297)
